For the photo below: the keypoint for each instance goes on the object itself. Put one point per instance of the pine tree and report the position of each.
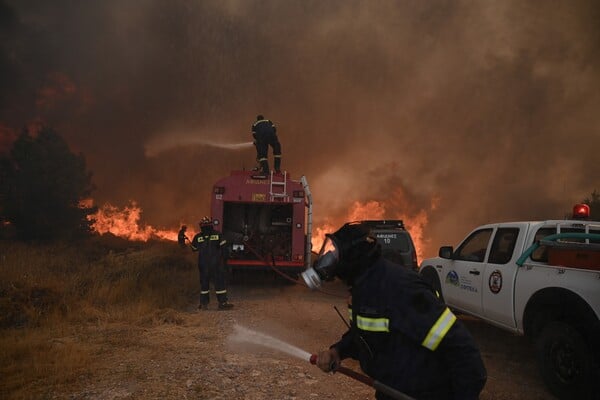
(42, 188)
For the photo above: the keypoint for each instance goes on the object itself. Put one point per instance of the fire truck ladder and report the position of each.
(278, 189)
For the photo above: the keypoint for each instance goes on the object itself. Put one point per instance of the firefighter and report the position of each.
(182, 237)
(265, 135)
(211, 248)
(400, 332)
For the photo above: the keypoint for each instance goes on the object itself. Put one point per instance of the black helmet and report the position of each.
(344, 254)
(205, 221)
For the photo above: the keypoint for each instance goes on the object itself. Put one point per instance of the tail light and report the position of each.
(219, 189)
(298, 193)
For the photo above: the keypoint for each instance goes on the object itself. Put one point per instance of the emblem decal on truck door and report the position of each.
(495, 281)
(452, 278)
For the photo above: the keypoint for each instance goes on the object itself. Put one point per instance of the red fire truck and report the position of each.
(266, 220)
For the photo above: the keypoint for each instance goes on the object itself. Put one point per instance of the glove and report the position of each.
(328, 360)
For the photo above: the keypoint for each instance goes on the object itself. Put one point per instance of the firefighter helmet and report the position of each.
(344, 254)
(205, 221)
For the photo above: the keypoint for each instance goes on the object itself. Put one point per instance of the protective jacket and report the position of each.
(404, 337)
(210, 248)
(264, 129)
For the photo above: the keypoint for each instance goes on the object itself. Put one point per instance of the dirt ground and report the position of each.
(189, 355)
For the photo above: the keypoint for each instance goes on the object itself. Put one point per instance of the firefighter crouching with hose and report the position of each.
(401, 333)
(212, 250)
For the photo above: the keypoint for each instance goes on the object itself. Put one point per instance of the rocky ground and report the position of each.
(190, 355)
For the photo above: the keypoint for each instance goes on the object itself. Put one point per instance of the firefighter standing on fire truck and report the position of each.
(265, 135)
(402, 334)
(211, 248)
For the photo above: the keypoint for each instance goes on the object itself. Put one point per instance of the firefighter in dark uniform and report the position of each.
(211, 248)
(401, 333)
(182, 237)
(265, 135)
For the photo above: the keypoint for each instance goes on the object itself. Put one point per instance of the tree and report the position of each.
(594, 202)
(42, 187)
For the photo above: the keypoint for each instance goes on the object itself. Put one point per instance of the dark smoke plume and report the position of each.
(488, 108)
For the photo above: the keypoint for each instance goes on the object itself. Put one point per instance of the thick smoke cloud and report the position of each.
(486, 109)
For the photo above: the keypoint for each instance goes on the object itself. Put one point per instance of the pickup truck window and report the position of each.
(503, 245)
(474, 247)
(541, 253)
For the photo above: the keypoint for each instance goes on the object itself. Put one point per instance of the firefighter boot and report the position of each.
(277, 163)
(265, 167)
(225, 306)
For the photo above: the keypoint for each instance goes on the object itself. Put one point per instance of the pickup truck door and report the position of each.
(500, 274)
(464, 273)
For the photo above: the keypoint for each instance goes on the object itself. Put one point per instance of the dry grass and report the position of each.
(53, 296)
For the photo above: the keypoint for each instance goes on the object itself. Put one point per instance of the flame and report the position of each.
(415, 221)
(86, 203)
(125, 223)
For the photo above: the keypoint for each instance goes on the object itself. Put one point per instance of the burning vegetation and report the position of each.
(125, 223)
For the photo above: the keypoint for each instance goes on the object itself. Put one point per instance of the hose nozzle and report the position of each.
(311, 278)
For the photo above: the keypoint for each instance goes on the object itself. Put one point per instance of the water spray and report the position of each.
(242, 334)
(160, 144)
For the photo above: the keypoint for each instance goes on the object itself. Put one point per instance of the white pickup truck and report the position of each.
(538, 279)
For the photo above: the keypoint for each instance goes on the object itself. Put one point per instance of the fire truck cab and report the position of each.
(265, 219)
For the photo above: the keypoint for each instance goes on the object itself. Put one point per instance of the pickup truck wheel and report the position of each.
(565, 362)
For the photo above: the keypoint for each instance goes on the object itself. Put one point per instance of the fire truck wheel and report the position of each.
(565, 362)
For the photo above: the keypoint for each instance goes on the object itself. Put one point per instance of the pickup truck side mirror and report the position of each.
(446, 252)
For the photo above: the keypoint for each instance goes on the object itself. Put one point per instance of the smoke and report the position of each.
(487, 109)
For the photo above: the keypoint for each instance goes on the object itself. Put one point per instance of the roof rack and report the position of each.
(383, 223)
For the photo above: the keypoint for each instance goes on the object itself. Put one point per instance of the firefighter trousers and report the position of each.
(214, 274)
(262, 149)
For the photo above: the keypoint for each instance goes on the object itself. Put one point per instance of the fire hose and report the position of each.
(273, 266)
(385, 389)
